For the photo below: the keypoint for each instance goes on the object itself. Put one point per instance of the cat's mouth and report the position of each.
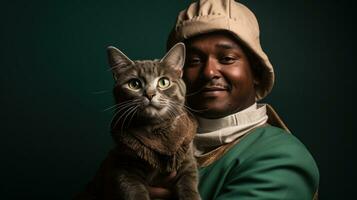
(150, 104)
(151, 107)
(152, 111)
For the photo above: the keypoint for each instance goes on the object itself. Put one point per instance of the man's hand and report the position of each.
(162, 191)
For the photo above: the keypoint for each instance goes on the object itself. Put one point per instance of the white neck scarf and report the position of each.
(212, 133)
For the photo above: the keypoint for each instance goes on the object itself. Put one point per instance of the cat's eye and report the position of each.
(163, 83)
(134, 84)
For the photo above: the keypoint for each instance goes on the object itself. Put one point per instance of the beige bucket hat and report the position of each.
(207, 16)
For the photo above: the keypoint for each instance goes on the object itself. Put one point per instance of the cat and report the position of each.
(152, 131)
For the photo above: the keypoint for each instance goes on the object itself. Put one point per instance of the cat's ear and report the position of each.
(175, 57)
(117, 60)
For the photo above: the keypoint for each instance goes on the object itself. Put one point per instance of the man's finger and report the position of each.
(169, 178)
(158, 192)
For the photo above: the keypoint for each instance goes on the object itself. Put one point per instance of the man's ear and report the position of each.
(117, 60)
(175, 58)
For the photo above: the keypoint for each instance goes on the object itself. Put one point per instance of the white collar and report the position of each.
(237, 119)
(212, 133)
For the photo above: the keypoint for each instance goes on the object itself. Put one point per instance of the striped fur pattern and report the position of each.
(152, 131)
(165, 103)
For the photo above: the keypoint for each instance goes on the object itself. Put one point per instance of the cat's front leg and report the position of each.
(187, 184)
(128, 187)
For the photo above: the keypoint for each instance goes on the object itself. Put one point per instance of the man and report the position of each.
(240, 154)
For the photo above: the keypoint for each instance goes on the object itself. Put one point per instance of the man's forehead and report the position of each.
(216, 39)
(213, 44)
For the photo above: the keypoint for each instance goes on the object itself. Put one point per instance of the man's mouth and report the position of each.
(214, 88)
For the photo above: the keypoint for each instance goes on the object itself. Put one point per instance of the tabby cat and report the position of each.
(151, 129)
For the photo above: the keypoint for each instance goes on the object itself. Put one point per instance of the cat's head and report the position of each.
(149, 89)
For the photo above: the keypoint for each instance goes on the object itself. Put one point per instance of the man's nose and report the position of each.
(211, 69)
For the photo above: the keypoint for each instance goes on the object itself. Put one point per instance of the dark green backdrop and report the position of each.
(55, 84)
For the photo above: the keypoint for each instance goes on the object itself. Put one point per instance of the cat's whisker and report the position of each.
(170, 113)
(190, 113)
(163, 104)
(128, 114)
(136, 110)
(175, 107)
(109, 108)
(124, 105)
(188, 110)
(169, 107)
(191, 109)
(177, 110)
(135, 104)
(193, 93)
(121, 105)
(174, 110)
(123, 114)
(118, 105)
(194, 110)
(118, 111)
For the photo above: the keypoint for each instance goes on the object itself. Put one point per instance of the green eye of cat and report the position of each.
(134, 84)
(163, 83)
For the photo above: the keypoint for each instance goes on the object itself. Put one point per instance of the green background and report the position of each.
(55, 84)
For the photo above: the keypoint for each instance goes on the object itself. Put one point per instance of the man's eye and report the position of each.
(194, 61)
(228, 60)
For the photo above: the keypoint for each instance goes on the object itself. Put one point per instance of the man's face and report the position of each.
(218, 76)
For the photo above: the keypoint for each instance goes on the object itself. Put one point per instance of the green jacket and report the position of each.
(268, 163)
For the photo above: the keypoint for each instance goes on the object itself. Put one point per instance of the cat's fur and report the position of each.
(152, 131)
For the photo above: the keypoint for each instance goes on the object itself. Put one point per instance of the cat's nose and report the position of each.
(150, 95)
